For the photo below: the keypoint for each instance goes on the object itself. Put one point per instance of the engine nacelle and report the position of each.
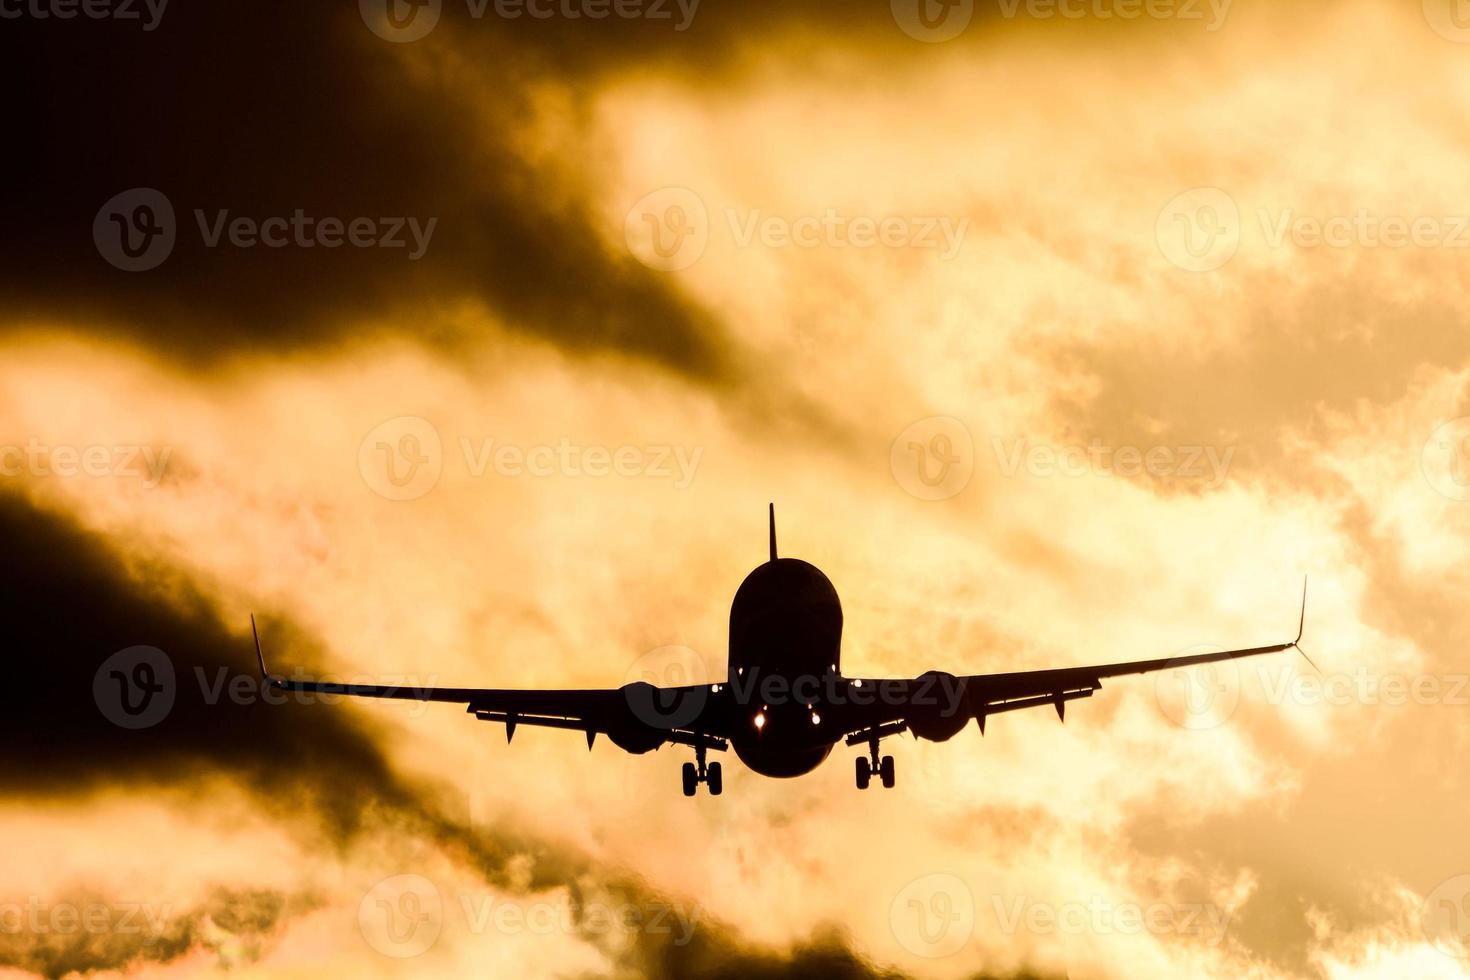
(650, 713)
(939, 711)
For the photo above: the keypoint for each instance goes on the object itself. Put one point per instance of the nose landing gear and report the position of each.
(711, 775)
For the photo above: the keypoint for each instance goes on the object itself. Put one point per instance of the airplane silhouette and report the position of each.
(785, 703)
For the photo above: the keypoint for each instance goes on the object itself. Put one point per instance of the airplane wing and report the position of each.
(936, 705)
(637, 717)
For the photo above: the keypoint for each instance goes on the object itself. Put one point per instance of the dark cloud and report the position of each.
(264, 110)
(70, 603)
(86, 932)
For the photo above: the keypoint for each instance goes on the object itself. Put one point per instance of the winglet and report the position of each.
(1301, 627)
(259, 657)
(773, 530)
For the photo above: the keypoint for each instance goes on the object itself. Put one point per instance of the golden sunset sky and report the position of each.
(1059, 334)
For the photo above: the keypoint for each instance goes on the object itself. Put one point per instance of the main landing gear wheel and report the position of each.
(697, 772)
(864, 772)
(885, 771)
(691, 779)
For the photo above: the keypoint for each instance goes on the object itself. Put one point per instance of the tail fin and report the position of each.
(773, 531)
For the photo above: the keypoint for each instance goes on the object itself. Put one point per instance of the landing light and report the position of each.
(816, 718)
(760, 721)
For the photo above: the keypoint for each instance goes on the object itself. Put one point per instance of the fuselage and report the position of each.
(785, 641)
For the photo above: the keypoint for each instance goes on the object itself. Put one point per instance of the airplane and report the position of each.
(785, 703)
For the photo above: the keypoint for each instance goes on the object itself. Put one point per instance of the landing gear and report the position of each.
(711, 775)
(866, 769)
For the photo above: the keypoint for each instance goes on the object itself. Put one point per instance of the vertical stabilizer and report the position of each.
(773, 531)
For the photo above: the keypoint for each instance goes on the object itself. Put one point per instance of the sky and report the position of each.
(466, 343)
